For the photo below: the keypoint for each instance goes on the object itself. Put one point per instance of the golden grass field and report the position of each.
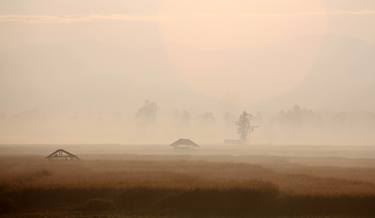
(183, 185)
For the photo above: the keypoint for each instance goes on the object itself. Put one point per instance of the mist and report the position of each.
(187, 108)
(82, 72)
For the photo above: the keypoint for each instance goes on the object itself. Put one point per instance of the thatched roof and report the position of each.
(61, 154)
(184, 142)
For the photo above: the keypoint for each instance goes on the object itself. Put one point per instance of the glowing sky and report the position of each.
(217, 48)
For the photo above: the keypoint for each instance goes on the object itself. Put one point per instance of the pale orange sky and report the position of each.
(95, 58)
(214, 48)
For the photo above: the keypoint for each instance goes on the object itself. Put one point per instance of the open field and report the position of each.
(186, 185)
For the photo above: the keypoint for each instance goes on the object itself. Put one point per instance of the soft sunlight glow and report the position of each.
(242, 44)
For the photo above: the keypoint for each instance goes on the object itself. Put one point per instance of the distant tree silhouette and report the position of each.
(207, 118)
(147, 114)
(185, 117)
(244, 127)
(297, 116)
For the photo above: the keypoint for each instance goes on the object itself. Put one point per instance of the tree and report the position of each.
(146, 115)
(207, 118)
(185, 118)
(244, 127)
(182, 118)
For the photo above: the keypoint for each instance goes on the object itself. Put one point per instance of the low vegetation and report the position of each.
(32, 185)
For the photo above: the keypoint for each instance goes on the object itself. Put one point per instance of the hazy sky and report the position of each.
(68, 56)
(248, 50)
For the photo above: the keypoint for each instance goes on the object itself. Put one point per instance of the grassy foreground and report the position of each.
(33, 187)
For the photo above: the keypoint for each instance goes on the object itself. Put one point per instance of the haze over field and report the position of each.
(187, 108)
(78, 72)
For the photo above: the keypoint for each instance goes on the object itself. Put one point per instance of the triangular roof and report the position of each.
(61, 154)
(184, 142)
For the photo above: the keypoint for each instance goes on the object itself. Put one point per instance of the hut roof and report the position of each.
(62, 154)
(184, 142)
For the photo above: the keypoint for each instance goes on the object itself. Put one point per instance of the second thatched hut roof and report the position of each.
(183, 142)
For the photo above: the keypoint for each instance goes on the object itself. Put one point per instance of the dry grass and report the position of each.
(19, 173)
(32, 184)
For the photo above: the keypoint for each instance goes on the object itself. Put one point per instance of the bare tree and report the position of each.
(244, 127)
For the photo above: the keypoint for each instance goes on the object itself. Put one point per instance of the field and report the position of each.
(186, 185)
